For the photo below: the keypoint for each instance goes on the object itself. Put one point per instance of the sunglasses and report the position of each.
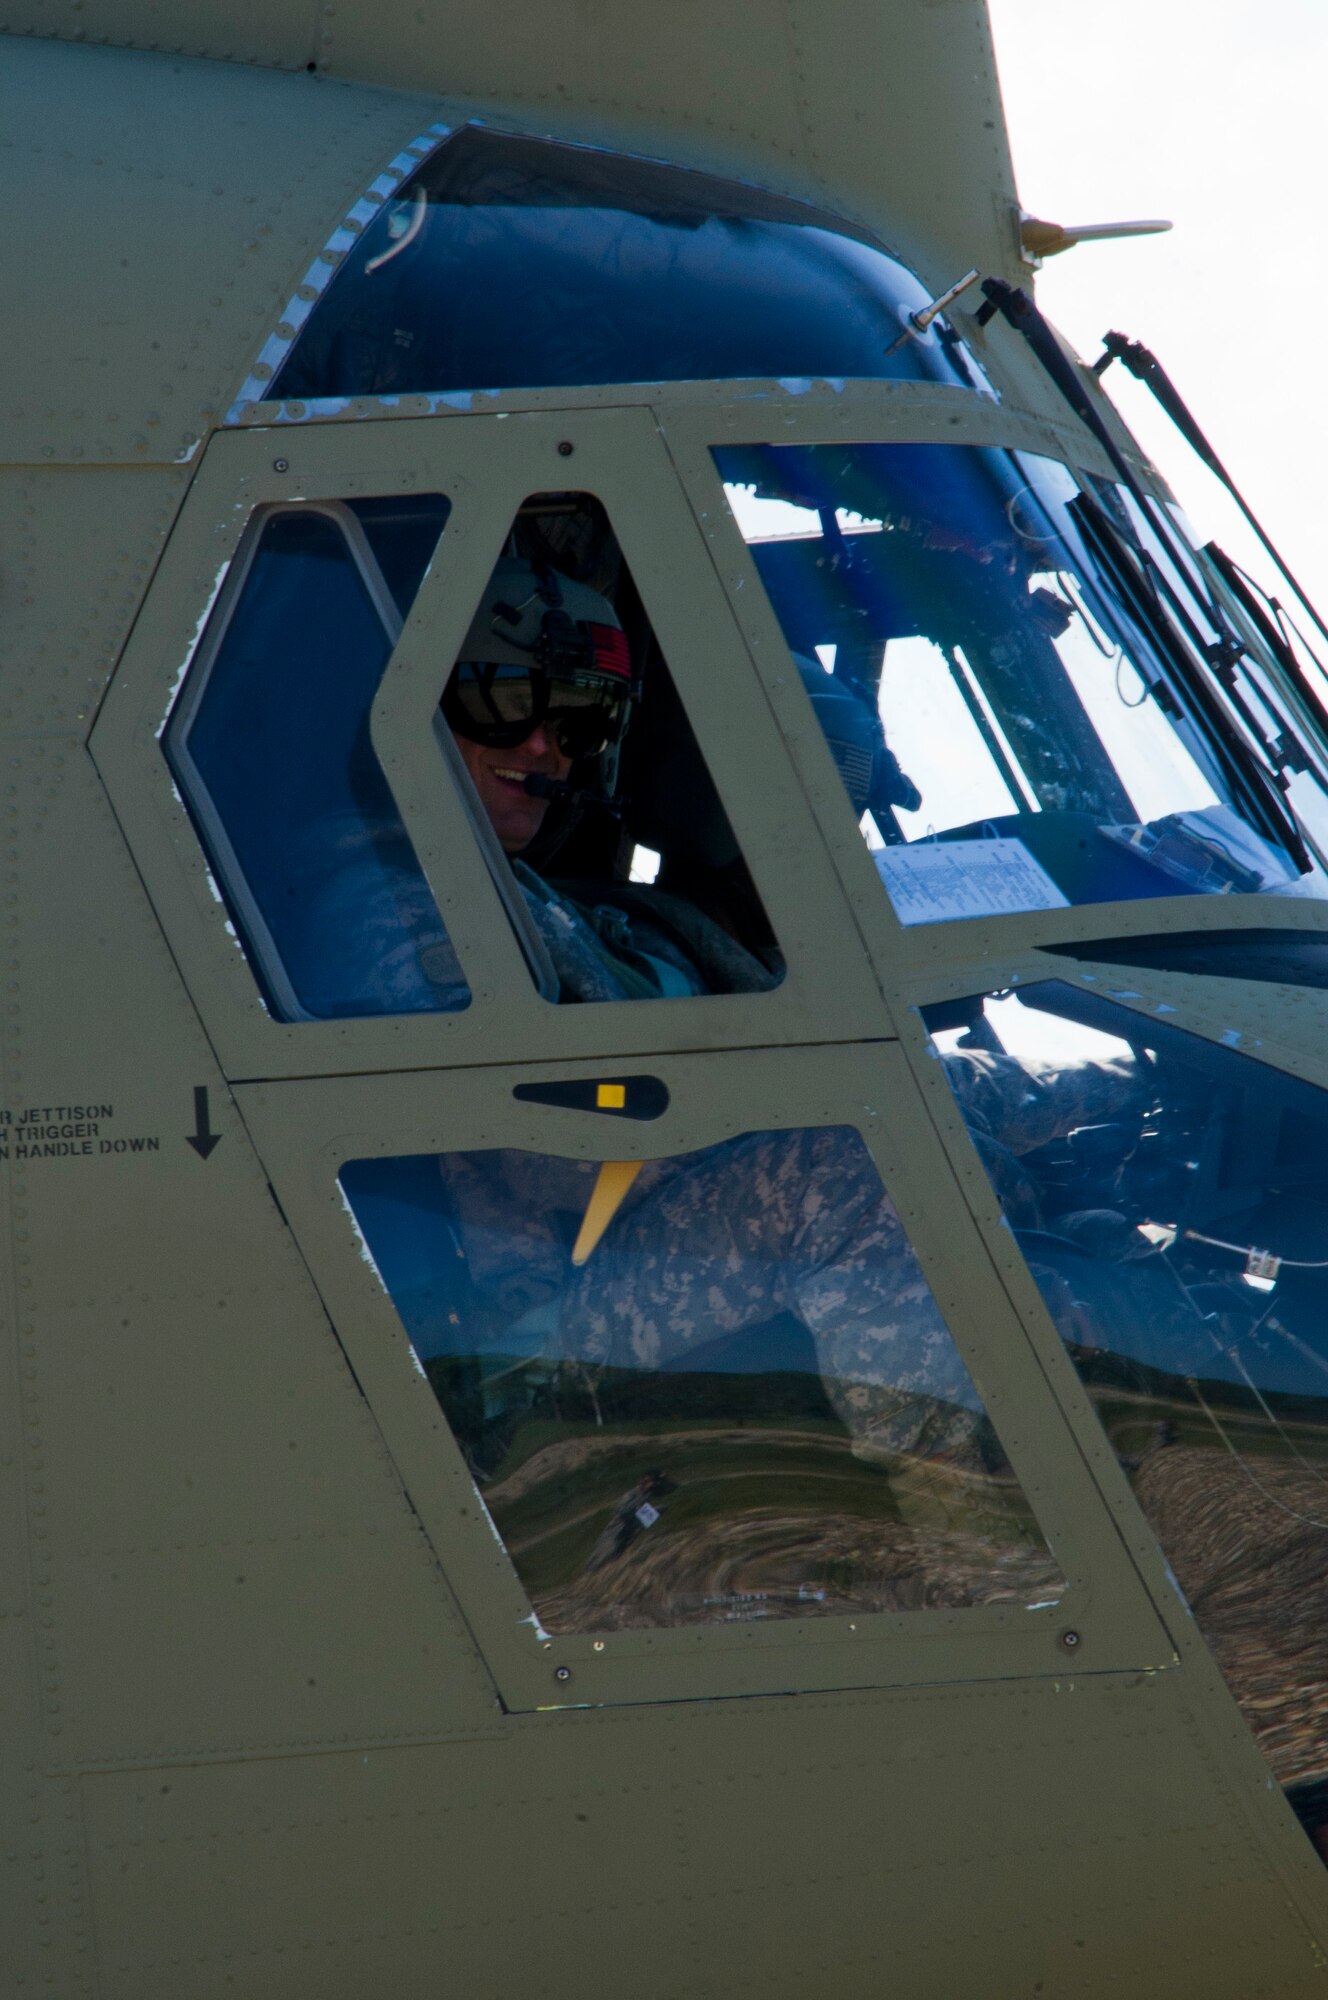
(500, 705)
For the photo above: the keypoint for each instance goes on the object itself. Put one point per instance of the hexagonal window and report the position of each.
(701, 1390)
(269, 743)
(584, 763)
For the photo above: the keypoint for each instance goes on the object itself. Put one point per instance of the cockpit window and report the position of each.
(1176, 1222)
(508, 262)
(1021, 700)
(269, 743)
(701, 1390)
(583, 764)
(562, 727)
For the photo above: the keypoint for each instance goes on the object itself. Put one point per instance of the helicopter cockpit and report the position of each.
(1059, 739)
(1081, 707)
(665, 1044)
(700, 1365)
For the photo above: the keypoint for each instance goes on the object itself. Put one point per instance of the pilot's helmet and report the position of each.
(543, 648)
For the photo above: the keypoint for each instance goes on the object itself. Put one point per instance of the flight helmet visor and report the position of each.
(501, 705)
(542, 649)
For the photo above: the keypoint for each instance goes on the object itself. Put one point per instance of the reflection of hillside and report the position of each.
(1269, 1421)
(781, 1519)
(774, 1565)
(1237, 1495)
(1250, 1557)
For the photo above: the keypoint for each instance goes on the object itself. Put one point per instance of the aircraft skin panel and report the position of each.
(117, 523)
(839, 96)
(889, 1843)
(159, 296)
(261, 1485)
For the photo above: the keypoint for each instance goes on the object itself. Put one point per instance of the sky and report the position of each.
(1212, 116)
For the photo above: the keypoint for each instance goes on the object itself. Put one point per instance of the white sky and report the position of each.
(1213, 116)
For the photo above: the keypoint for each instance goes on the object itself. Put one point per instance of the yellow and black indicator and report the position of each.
(618, 1097)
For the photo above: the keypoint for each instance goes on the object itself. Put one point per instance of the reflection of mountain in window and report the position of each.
(742, 1403)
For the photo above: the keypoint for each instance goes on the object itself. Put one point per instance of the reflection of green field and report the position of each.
(1131, 1423)
(766, 1507)
(794, 1504)
(552, 1529)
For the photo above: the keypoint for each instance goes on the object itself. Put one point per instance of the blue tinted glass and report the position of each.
(403, 535)
(739, 1401)
(1012, 737)
(513, 263)
(274, 756)
(1171, 1199)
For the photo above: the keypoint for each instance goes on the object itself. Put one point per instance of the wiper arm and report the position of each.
(1253, 779)
(1264, 613)
(1243, 771)
(1027, 319)
(1282, 753)
(1146, 367)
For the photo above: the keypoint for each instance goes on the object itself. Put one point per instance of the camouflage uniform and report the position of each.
(624, 941)
(794, 1222)
(786, 1222)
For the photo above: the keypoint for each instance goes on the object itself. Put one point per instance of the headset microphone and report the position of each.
(559, 792)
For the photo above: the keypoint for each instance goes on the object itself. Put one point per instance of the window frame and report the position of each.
(306, 1131)
(485, 470)
(235, 887)
(867, 413)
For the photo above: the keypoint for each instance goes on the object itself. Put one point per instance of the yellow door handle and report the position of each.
(612, 1183)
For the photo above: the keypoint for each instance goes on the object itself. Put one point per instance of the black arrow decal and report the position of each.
(202, 1138)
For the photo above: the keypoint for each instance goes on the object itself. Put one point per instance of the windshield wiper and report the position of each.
(1261, 783)
(1266, 613)
(1136, 588)
(1145, 366)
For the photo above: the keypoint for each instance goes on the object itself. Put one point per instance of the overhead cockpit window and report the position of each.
(508, 262)
(269, 743)
(1020, 697)
(583, 764)
(701, 1390)
(1171, 1199)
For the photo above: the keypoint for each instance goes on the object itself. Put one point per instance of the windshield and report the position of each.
(508, 262)
(1019, 723)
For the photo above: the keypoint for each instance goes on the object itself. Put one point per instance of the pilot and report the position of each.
(538, 706)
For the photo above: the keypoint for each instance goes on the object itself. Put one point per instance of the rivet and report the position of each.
(566, 449)
(1069, 1640)
(281, 465)
(599, 1645)
(562, 1673)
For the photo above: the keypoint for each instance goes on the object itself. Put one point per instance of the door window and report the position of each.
(566, 726)
(701, 1390)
